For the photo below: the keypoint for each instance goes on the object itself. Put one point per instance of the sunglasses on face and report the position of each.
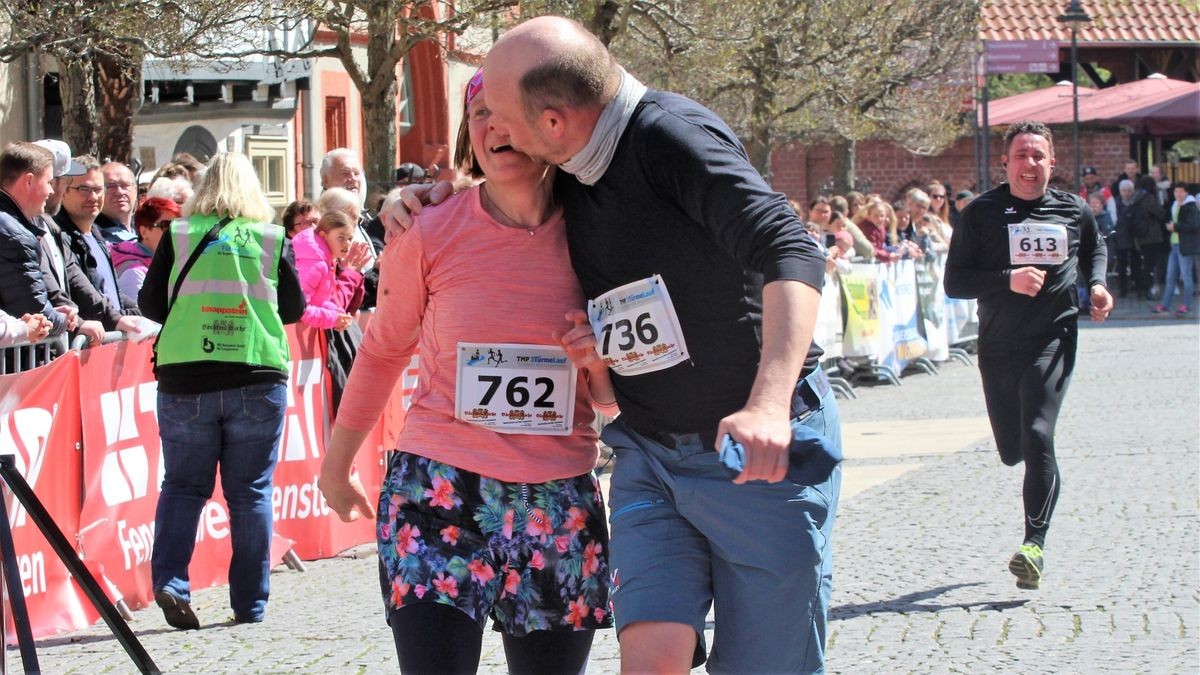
(937, 196)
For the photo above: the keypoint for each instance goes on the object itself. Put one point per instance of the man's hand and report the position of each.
(72, 316)
(404, 203)
(128, 324)
(345, 495)
(1102, 303)
(580, 341)
(93, 331)
(766, 437)
(1027, 281)
(37, 326)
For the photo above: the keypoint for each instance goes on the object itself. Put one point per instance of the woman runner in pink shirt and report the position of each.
(489, 507)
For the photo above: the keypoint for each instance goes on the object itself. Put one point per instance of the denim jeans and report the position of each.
(1178, 265)
(237, 432)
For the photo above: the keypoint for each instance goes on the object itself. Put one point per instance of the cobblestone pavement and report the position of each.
(921, 579)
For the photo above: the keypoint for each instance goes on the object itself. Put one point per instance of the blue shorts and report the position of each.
(685, 537)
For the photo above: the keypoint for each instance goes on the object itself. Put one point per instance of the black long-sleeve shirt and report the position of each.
(205, 376)
(680, 199)
(978, 264)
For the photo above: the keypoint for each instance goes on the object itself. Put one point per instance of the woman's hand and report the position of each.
(343, 322)
(359, 255)
(345, 496)
(580, 341)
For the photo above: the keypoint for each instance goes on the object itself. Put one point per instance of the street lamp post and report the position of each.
(1074, 16)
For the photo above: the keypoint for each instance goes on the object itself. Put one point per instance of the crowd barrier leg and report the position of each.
(961, 355)
(841, 386)
(924, 365)
(49, 529)
(881, 372)
(293, 561)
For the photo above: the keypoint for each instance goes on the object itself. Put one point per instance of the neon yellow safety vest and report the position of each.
(227, 308)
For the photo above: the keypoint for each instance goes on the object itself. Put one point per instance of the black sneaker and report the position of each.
(177, 612)
(1027, 565)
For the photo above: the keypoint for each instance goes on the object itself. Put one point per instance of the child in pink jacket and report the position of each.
(330, 266)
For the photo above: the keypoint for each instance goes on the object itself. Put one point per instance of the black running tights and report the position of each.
(1024, 390)
(436, 638)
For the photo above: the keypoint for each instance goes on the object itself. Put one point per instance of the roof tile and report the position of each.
(1113, 21)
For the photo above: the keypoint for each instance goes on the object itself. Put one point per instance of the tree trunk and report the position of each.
(79, 104)
(758, 146)
(604, 23)
(378, 92)
(379, 123)
(120, 81)
(843, 166)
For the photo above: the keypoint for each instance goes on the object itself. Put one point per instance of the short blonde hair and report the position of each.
(230, 187)
(339, 199)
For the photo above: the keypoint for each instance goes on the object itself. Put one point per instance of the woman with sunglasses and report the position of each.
(939, 202)
(488, 510)
(132, 258)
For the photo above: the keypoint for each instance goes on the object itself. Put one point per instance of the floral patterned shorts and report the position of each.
(532, 557)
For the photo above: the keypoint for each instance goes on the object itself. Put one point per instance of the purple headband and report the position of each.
(474, 87)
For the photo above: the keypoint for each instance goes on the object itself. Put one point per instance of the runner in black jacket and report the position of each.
(1019, 248)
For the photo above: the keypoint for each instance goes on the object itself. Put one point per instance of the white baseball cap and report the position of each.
(63, 164)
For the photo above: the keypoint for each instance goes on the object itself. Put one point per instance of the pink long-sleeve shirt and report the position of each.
(459, 276)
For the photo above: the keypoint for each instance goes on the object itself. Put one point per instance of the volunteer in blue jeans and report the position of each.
(223, 286)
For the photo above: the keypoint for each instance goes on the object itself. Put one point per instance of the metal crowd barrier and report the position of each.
(29, 355)
(25, 356)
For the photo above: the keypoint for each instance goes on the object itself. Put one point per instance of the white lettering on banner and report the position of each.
(125, 472)
(124, 475)
(214, 522)
(138, 540)
(121, 407)
(33, 573)
(300, 432)
(24, 433)
(298, 501)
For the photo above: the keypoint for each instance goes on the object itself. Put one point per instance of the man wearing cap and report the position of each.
(1092, 183)
(26, 177)
(961, 199)
(60, 269)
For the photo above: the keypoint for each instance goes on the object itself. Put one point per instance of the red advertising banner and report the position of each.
(40, 426)
(299, 509)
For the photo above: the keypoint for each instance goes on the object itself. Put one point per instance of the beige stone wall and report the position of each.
(12, 102)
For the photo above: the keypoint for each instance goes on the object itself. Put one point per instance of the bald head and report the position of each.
(557, 64)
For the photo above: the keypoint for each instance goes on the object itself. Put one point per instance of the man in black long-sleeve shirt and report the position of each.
(1019, 248)
(659, 195)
